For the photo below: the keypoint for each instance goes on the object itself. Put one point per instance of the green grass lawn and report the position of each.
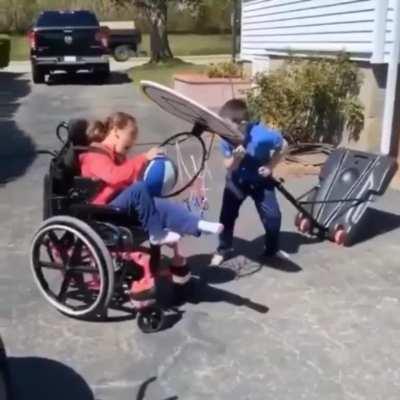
(192, 45)
(181, 45)
(19, 48)
(163, 73)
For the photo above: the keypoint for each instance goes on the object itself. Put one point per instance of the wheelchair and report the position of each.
(85, 257)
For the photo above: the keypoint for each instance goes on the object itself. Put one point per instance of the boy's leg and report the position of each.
(270, 215)
(232, 199)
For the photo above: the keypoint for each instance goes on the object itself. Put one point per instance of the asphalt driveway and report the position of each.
(324, 326)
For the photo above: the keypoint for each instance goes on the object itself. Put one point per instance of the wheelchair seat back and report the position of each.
(63, 185)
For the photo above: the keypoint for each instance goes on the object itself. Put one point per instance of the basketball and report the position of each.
(160, 176)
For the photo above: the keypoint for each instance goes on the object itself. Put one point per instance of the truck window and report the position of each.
(67, 18)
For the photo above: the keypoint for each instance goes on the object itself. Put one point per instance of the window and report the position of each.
(67, 18)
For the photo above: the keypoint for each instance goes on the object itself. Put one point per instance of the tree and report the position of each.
(156, 14)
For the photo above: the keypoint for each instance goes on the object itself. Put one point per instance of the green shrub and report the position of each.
(225, 70)
(4, 51)
(313, 100)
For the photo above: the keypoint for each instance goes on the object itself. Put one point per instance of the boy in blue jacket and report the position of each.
(249, 170)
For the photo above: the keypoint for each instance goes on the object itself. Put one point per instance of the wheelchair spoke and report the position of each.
(51, 265)
(46, 243)
(65, 285)
(53, 237)
(75, 253)
(83, 269)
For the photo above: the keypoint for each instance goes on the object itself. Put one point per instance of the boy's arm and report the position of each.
(279, 153)
(232, 163)
(232, 156)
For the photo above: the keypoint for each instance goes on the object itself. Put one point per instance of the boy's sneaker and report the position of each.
(280, 254)
(218, 258)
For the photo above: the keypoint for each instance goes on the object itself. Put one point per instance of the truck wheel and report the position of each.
(38, 75)
(103, 73)
(122, 53)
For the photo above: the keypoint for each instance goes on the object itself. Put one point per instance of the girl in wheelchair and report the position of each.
(165, 221)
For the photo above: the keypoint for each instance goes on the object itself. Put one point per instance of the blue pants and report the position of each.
(267, 207)
(155, 215)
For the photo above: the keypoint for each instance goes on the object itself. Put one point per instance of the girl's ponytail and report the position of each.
(96, 131)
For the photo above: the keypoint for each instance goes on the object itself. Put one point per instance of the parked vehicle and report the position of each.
(68, 41)
(123, 39)
(5, 390)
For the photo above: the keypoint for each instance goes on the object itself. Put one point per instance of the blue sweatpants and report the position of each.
(157, 214)
(267, 206)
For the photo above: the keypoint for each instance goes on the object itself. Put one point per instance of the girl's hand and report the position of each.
(154, 152)
(264, 171)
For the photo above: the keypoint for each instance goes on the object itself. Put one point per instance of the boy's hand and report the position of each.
(264, 171)
(239, 152)
(154, 152)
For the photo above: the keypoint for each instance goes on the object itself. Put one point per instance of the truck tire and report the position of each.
(102, 73)
(38, 75)
(122, 53)
(5, 384)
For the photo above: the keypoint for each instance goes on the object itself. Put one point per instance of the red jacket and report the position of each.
(117, 173)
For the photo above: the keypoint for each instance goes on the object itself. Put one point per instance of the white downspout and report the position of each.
(378, 43)
(391, 84)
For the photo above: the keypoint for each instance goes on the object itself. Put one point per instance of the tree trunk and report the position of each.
(157, 17)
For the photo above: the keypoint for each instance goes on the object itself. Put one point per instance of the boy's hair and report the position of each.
(97, 131)
(235, 110)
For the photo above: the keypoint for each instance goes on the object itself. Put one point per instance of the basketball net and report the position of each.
(195, 198)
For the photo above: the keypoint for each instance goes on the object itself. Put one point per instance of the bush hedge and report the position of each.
(312, 100)
(5, 47)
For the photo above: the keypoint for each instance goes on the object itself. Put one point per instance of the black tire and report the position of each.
(98, 252)
(151, 320)
(122, 53)
(38, 74)
(103, 73)
(5, 379)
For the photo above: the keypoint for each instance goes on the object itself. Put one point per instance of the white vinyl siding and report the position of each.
(303, 26)
(389, 29)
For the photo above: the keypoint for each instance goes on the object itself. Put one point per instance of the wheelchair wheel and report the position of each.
(151, 319)
(72, 267)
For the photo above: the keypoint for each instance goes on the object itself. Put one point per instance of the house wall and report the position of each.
(318, 25)
(363, 28)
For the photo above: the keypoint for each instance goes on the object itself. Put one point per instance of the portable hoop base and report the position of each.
(349, 181)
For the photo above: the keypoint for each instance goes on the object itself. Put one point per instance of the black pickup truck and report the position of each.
(68, 41)
(5, 384)
(123, 39)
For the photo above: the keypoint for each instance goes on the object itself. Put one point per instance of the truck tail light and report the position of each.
(32, 39)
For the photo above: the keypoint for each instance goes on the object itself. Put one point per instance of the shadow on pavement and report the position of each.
(247, 259)
(376, 222)
(83, 78)
(17, 150)
(43, 379)
(201, 292)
